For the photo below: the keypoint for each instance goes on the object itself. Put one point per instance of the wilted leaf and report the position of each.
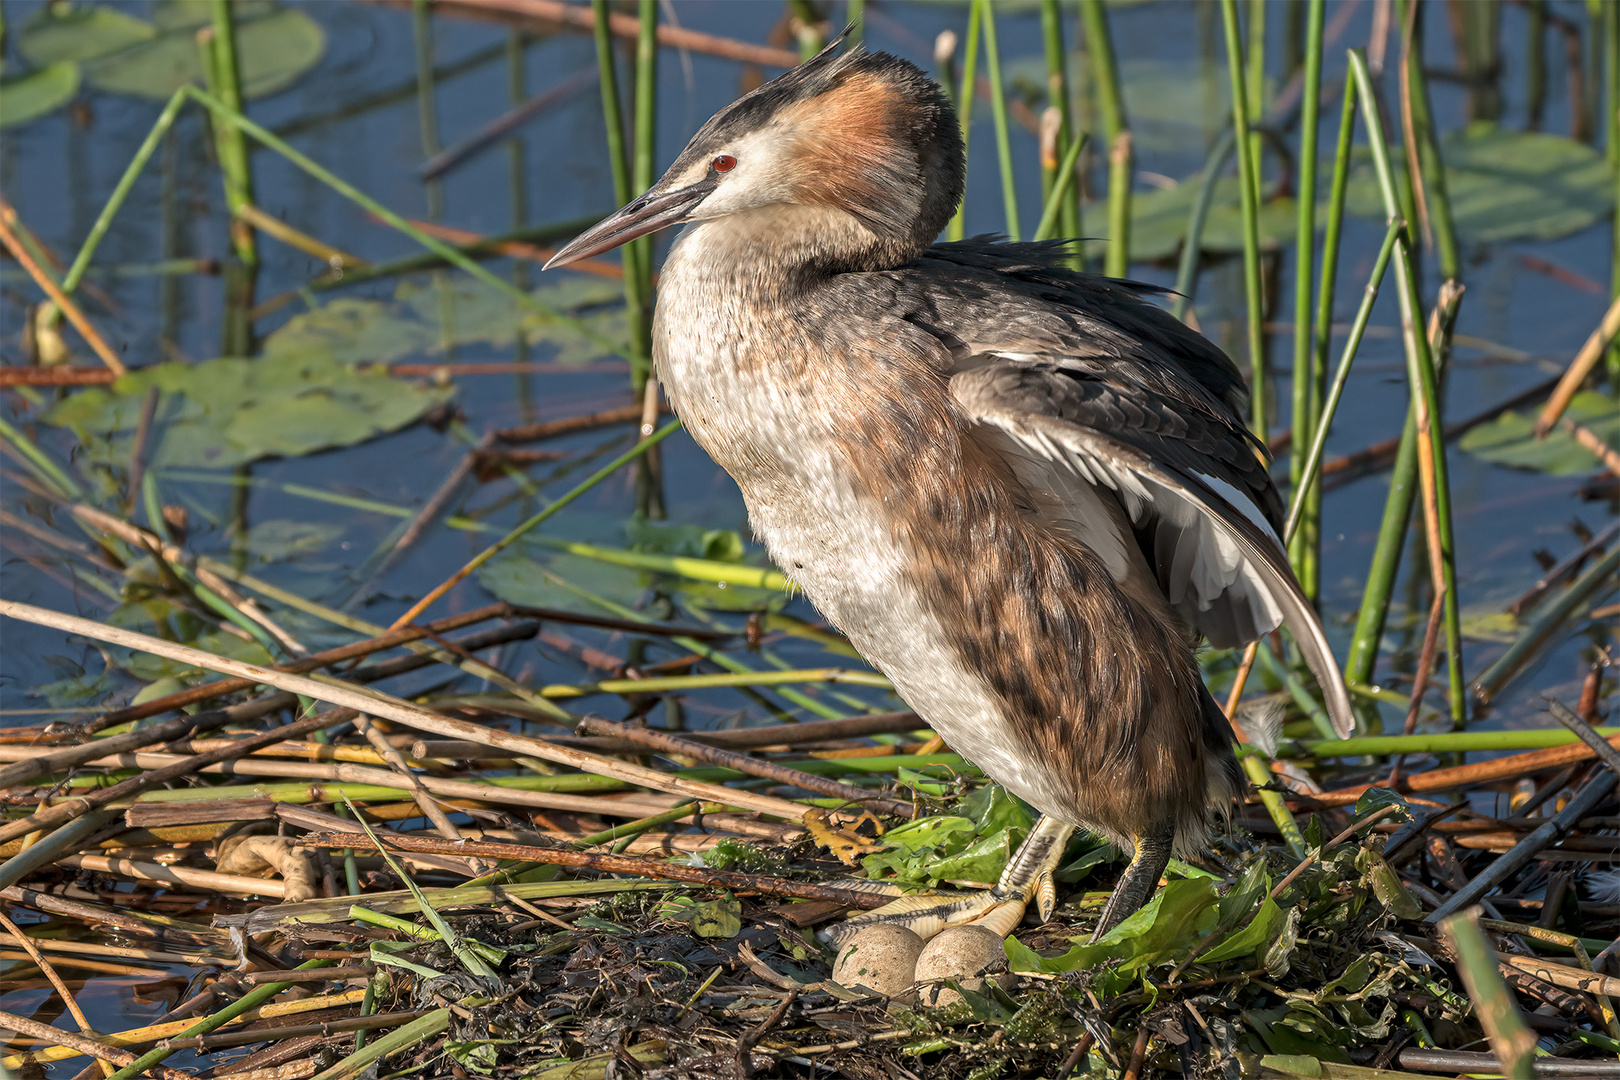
(229, 412)
(844, 839)
(1510, 439)
(720, 918)
(38, 93)
(1386, 885)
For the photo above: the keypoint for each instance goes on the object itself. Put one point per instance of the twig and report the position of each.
(57, 1037)
(70, 757)
(52, 816)
(375, 704)
(753, 766)
(1579, 369)
(1595, 791)
(1558, 574)
(628, 26)
(1590, 439)
(513, 118)
(610, 864)
(60, 299)
(62, 991)
(312, 662)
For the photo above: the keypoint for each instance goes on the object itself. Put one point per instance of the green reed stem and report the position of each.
(1510, 1036)
(1057, 199)
(1111, 100)
(998, 113)
(1248, 173)
(1057, 95)
(39, 462)
(641, 178)
(1254, 71)
(1306, 552)
(1433, 167)
(1424, 382)
(624, 187)
(1311, 461)
(232, 147)
(856, 14)
(1305, 549)
(1450, 742)
(251, 1000)
(1192, 244)
(115, 202)
(964, 107)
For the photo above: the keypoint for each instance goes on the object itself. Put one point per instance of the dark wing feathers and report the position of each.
(1085, 381)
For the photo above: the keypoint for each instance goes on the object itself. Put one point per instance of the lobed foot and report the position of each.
(1028, 877)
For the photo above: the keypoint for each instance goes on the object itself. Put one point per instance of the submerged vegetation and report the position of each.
(360, 550)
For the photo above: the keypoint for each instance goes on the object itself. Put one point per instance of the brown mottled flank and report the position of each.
(1103, 687)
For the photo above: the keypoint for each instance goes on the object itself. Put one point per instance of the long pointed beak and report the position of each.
(645, 215)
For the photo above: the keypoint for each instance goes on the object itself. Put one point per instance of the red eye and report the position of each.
(724, 163)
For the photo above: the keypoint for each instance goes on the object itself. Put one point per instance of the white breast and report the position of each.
(765, 427)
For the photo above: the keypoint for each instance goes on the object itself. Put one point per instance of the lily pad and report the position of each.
(1510, 185)
(1159, 221)
(427, 319)
(126, 55)
(37, 93)
(1511, 440)
(59, 32)
(228, 412)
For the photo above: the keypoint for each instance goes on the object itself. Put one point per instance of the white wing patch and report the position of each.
(1208, 578)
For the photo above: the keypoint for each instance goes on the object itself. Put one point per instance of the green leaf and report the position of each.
(60, 32)
(228, 412)
(37, 93)
(1374, 799)
(1510, 439)
(1386, 885)
(1168, 926)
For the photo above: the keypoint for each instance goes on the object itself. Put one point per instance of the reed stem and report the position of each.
(1121, 156)
(998, 113)
(1248, 184)
(1305, 548)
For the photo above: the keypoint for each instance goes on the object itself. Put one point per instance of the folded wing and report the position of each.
(1189, 482)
